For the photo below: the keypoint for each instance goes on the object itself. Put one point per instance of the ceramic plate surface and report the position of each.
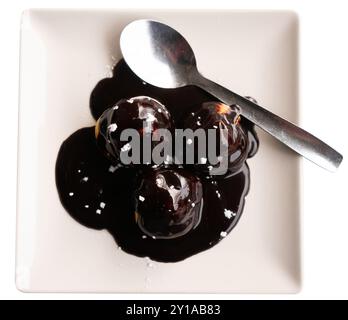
(63, 56)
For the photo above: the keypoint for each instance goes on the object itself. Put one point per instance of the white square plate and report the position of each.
(63, 55)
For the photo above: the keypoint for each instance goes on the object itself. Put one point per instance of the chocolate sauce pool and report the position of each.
(101, 195)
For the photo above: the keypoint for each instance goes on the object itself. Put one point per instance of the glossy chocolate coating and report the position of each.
(214, 116)
(168, 203)
(142, 113)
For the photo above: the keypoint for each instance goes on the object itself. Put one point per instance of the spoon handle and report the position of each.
(286, 132)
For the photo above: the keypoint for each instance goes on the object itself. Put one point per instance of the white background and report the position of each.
(324, 86)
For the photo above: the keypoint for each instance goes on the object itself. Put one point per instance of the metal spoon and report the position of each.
(161, 56)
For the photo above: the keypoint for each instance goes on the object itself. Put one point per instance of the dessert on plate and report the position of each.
(167, 211)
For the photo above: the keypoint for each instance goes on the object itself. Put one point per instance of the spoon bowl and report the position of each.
(158, 53)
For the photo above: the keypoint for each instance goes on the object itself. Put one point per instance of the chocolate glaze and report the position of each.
(169, 203)
(214, 115)
(132, 113)
(102, 195)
